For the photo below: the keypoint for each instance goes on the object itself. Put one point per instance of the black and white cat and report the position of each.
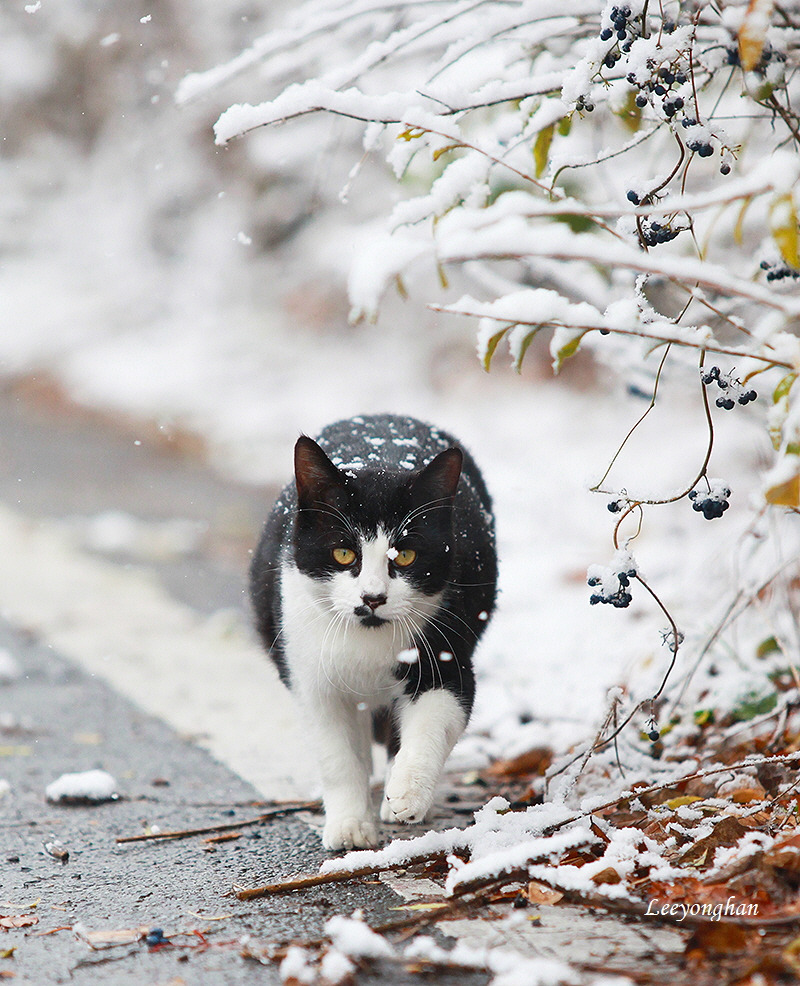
(371, 584)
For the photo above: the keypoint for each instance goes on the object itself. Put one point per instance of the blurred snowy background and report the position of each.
(150, 273)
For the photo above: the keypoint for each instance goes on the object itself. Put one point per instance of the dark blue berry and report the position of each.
(641, 101)
(687, 122)
(605, 34)
(632, 197)
(724, 168)
(659, 90)
(621, 35)
(653, 735)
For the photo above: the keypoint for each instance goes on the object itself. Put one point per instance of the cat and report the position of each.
(372, 582)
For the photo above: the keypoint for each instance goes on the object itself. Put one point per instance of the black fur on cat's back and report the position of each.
(378, 458)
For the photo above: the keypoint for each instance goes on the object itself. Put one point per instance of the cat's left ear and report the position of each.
(438, 481)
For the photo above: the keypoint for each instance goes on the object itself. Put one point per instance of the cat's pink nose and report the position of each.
(373, 601)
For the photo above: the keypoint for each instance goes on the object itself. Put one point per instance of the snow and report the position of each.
(296, 966)
(88, 785)
(156, 312)
(353, 937)
(10, 670)
(5, 788)
(335, 967)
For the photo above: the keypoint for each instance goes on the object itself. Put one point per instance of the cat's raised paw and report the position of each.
(406, 804)
(349, 833)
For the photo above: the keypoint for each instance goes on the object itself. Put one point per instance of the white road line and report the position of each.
(209, 683)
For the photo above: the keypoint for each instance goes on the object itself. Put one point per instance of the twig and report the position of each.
(286, 809)
(320, 879)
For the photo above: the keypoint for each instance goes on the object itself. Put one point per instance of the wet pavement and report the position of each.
(61, 869)
(62, 872)
(64, 720)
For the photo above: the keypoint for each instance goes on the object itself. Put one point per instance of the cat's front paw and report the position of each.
(406, 799)
(349, 833)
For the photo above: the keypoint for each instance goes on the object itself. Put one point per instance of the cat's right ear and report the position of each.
(315, 476)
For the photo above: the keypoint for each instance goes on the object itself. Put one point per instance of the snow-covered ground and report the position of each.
(154, 275)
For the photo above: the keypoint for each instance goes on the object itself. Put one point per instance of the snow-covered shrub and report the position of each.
(622, 177)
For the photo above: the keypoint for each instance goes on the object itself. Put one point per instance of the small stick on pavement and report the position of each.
(302, 882)
(320, 879)
(285, 809)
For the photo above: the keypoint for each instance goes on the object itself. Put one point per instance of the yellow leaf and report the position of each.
(567, 350)
(686, 799)
(753, 33)
(786, 494)
(783, 220)
(491, 346)
(444, 150)
(520, 356)
(783, 388)
(738, 235)
(442, 277)
(421, 907)
(541, 148)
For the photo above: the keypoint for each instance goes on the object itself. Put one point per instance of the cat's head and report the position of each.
(378, 544)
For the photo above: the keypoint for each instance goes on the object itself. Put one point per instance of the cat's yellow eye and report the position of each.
(344, 556)
(405, 557)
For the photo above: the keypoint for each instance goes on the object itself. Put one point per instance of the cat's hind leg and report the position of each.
(429, 725)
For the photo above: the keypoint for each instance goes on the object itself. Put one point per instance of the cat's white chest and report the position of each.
(329, 655)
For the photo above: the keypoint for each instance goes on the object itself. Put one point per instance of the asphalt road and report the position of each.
(59, 462)
(82, 661)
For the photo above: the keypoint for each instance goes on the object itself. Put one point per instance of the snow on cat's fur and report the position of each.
(373, 580)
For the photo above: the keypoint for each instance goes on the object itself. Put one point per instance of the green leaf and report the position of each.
(766, 647)
(783, 388)
(541, 148)
(491, 346)
(567, 350)
(704, 717)
(564, 126)
(631, 114)
(754, 705)
(524, 348)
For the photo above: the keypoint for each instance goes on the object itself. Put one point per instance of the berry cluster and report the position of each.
(614, 588)
(582, 103)
(619, 20)
(660, 84)
(733, 391)
(713, 503)
(653, 233)
(777, 272)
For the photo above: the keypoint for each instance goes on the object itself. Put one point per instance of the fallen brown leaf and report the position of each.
(540, 893)
(722, 938)
(727, 832)
(18, 921)
(607, 876)
(535, 761)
